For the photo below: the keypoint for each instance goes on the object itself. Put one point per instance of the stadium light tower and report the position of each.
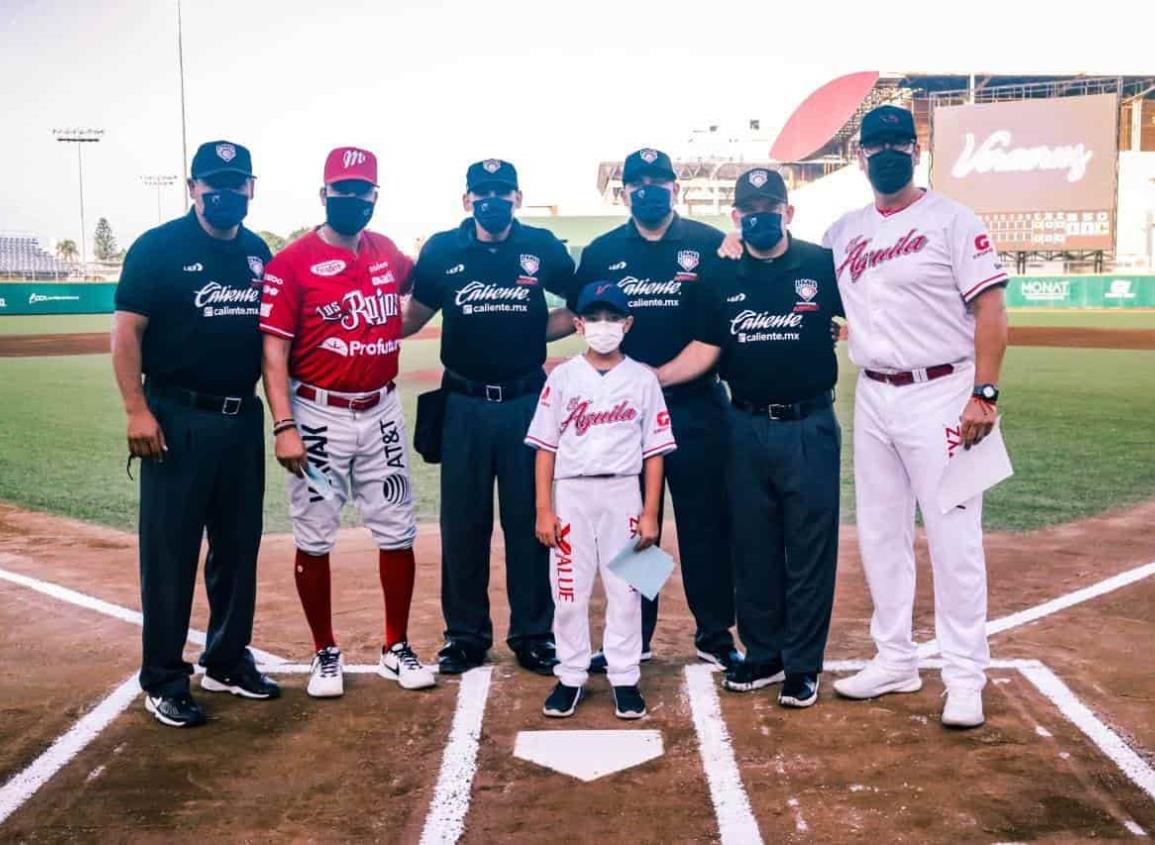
(80, 137)
(158, 181)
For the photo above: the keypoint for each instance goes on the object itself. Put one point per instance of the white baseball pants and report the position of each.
(903, 438)
(362, 453)
(598, 518)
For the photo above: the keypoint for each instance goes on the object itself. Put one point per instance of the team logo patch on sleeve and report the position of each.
(257, 266)
(806, 289)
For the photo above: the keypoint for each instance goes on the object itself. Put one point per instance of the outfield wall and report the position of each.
(1109, 291)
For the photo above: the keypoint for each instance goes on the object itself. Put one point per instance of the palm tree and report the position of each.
(66, 250)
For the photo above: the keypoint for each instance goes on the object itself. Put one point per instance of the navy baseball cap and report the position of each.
(602, 295)
(647, 162)
(221, 157)
(887, 123)
(492, 172)
(759, 184)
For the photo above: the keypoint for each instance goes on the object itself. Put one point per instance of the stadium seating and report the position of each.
(22, 257)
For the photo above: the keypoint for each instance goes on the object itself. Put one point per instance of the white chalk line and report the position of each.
(445, 820)
(1033, 614)
(24, 784)
(116, 611)
(736, 822)
(1134, 767)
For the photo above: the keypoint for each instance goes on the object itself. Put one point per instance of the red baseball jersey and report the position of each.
(341, 311)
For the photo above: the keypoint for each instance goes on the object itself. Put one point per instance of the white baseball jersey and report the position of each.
(601, 424)
(906, 278)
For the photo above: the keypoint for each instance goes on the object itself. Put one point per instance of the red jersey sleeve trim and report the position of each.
(668, 446)
(265, 327)
(983, 285)
(541, 444)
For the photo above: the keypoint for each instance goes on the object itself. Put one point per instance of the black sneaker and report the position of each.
(562, 702)
(726, 657)
(455, 658)
(539, 657)
(748, 676)
(247, 682)
(799, 690)
(176, 711)
(628, 703)
(598, 665)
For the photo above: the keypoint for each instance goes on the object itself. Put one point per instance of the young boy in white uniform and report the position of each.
(600, 423)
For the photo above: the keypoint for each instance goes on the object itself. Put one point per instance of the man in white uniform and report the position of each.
(923, 290)
(601, 422)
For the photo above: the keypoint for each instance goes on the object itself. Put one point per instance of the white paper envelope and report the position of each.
(645, 571)
(974, 470)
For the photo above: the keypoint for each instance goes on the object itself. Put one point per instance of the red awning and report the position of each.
(821, 115)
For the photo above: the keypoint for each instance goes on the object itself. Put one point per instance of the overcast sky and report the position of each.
(431, 86)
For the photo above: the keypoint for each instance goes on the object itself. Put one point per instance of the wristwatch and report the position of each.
(986, 392)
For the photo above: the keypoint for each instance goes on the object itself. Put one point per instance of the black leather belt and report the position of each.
(786, 410)
(502, 392)
(229, 406)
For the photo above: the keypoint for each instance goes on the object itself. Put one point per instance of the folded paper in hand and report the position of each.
(320, 482)
(645, 571)
(973, 470)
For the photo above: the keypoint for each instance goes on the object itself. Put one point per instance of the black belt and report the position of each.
(502, 392)
(785, 410)
(229, 406)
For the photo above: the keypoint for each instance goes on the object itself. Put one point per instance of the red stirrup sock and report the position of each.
(312, 576)
(398, 569)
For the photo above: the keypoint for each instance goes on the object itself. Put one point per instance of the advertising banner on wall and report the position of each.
(1041, 173)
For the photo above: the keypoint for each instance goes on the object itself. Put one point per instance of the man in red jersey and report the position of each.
(331, 318)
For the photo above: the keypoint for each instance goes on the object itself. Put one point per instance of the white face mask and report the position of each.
(603, 336)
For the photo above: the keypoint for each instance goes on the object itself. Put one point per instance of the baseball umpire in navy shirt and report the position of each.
(186, 320)
(489, 278)
(765, 320)
(657, 258)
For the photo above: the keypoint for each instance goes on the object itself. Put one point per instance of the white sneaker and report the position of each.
(964, 708)
(327, 677)
(874, 681)
(400, 664)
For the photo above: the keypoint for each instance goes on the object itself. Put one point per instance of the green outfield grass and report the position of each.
(55, 324)
(1085, 319)
(1077, 423)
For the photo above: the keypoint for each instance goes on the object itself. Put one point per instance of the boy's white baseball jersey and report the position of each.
(906, 280)
(601, 427)
(363, 454)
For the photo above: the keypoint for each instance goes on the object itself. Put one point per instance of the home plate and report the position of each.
(588, 755)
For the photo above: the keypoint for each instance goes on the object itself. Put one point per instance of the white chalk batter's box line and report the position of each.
(445, 820)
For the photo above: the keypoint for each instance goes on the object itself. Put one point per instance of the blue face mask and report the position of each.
(762, 230)
(347, 215)
(225, 209)
(493, 214)
(650, 204)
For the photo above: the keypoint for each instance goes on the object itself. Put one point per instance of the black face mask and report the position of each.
(890, 171)
(348, 215)
(762, 230)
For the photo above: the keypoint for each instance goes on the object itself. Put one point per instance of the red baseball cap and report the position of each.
(351, 163)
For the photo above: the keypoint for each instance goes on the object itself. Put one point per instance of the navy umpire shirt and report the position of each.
(659, 278)
(202, 297)
(493, 297)
(771, 319)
